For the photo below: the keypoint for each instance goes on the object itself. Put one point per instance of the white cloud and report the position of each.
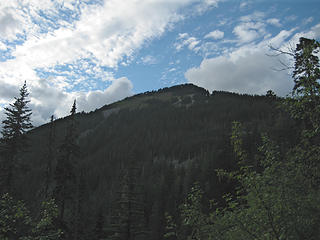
(110, 33)
(308, 20)
(6, 92)
(9, 25)
(249, 31)
(119, 89)
(312, 33)
(248, 69)
(186, 41)
(217, 34)
(274, 21)
(291, 18)
(192, 42)
(280, 38)
(149, 60)
(249, 74)
(13, 21)
(250, 28)
(17, 17)
(209, 48)
(224, 22)
(3, 47)
(203, 5)
(182, 35)
(255, 16)
(47, 99)
(245, 4)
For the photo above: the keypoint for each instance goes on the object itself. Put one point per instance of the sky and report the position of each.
(101, 51)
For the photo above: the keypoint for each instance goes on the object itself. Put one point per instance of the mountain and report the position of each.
(171, 138)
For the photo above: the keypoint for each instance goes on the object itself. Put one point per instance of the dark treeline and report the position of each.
(149, 166)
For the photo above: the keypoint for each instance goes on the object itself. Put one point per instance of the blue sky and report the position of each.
(100, 51)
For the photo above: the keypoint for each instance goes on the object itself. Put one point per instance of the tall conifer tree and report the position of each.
(13, 141)
(65, 172)
(306, 91)
(49, 156)
(128, 221)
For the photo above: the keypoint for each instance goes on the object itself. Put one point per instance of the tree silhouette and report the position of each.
(13, 141)
(65, 172)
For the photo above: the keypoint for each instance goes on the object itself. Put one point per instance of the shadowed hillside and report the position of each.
(172, 138)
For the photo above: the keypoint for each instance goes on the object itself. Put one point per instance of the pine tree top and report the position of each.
(74, 108)
(18, 120)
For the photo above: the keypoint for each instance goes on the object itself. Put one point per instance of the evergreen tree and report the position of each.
(78, 215)
(271, 94)
(128, 221)
(65, 172)
(13, 141)
(306, 107)
(49, 156)
(170, 228)
(305, 104)
(306, 72)
(98, 232)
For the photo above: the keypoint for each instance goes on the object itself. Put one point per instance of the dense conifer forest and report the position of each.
(177, 163)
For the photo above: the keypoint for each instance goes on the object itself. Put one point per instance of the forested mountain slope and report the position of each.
(171, 138)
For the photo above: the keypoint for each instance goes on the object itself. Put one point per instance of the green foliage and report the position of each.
(192, 214)
(46, 229)
(15, 220)
(306, 72)
(305, 104)
(171, 228)
(237, 141)
(16, 223)
(277, 203)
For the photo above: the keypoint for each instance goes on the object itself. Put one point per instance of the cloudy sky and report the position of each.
(100, 51)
